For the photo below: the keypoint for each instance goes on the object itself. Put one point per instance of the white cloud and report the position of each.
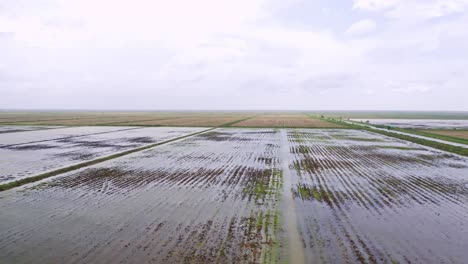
(375, 5)
(163, 54)
(411, 88)
(362, 27)
(412, 10)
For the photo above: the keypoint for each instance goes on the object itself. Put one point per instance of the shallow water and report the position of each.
(226, 196)
(419, 123)
(29, 159)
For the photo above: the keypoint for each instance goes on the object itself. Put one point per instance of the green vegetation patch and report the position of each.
(436, 136)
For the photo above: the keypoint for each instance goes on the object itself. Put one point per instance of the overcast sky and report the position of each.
(240, 54)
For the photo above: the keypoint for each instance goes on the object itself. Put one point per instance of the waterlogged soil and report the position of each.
(24, 160)
(377, 200)
(248, 196)
(193, 201)
(14, 129)
(11, 139)
(419, 123)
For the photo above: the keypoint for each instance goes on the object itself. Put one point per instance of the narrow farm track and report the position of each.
(248, 196)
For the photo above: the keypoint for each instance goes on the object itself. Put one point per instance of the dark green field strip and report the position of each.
(14, 184)
(433, 144)
(436, 136)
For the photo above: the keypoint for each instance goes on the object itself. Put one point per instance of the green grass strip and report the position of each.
(14, 184)
(436, 136)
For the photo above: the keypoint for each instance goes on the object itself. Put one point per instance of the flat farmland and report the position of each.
(41, 118)
(210, 198)
(20, 161)
(100, 121)
(189, 121)
(367, 198)
(161, 118)
(282, 120)
(13, 129)
(419, 123)
(88, 120)
(238, 195)
(9, 139)
(451, 133)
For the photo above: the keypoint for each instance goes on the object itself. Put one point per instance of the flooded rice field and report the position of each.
(10, 139)
(209, 198)
(419, 123)
(13, 129)
(366, 198)
(20, 161)
(248, 196)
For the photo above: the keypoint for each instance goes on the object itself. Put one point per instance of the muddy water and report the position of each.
(248, 196)
(419, 123)
(27, 137)
(365, 198)
(294, 252)
(209, 198)
(15, 129)
(24, 160)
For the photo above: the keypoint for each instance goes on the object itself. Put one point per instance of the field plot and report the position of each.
(248, 196)
(286, 120)
(441, 115)
(96, 121)
(25, 160)
(451, 133)
(189, 121)
(211, 198)
(159, 118)
(419, 123)
(366, 198)
(10, 139)
(14, 129)
(53, 118)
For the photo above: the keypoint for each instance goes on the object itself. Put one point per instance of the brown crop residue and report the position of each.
(31, 147)
(222, 136)
(76, 155)
(189, 121)
(110, 180)
(78, 142)
(145, 140)
(286, 121)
